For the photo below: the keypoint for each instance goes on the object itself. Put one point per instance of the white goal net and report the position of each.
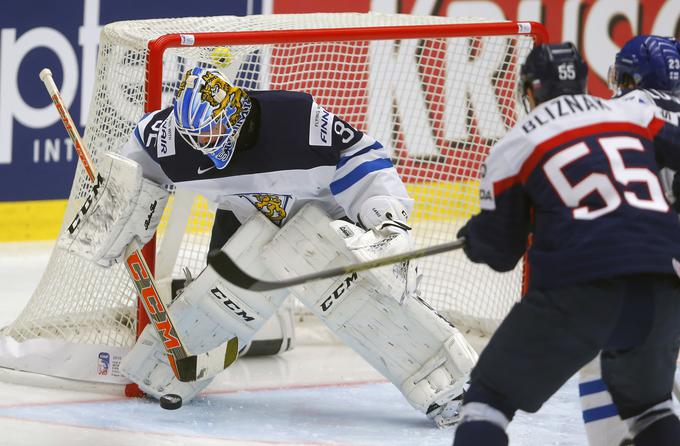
(437, 91)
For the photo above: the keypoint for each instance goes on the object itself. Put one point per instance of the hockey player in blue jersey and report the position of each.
(651, 64)
(287, 172)
(647, 65)
(580, 174)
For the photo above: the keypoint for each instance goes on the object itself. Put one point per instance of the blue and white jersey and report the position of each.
(580, 174)
(663, 99)
(670, 179)
(301, 153)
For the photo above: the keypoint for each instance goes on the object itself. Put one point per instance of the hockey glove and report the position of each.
(122, 207)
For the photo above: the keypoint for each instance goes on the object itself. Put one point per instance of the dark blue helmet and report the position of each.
(649, 62)
(552, 70)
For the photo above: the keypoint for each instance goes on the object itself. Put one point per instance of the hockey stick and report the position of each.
(227, 268)
(185, 366)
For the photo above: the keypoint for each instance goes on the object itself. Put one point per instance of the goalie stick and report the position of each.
(185, 366)
(227, 268)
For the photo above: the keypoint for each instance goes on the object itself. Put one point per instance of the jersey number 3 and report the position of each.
(572, 195)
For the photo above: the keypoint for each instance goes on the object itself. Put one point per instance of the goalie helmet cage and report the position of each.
(437, 91)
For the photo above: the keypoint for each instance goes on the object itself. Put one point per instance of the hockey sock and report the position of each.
(481, 424)
(663, 432)
(479, 432)
(479, 393)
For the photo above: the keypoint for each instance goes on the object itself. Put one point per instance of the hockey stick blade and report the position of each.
(223, 265)
(209, 363)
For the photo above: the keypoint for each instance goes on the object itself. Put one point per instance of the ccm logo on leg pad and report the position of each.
(237, 309)
(339, 291)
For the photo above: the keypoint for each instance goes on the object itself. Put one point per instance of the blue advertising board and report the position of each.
(37, 159)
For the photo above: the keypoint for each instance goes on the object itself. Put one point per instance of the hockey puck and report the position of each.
(171, 401)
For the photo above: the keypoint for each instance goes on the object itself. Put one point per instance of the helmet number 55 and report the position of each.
(600, 183)
(566, 71)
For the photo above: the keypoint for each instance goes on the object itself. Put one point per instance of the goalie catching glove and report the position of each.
(122, 207)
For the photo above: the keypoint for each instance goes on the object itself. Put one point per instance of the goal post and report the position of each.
(436, 91)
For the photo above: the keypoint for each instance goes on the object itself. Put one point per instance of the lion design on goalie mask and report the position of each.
(221, 95)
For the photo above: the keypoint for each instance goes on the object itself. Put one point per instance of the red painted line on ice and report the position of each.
(196, 437)
(297, 387)
(181, 435)
(216, 392)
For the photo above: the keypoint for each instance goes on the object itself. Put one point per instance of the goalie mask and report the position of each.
(209, 113)
(647, 62)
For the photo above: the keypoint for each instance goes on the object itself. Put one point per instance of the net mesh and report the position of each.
(437, 103)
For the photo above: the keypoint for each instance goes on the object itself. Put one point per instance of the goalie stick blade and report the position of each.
(223, 265)
(186, 368)
(209, 363)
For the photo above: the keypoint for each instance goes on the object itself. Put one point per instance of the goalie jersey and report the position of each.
(580, 173)
(290, 152)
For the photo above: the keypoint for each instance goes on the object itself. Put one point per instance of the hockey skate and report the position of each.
(448, 414)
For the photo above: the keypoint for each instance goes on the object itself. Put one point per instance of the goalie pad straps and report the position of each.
(418, 351)
(207, 313)
(122, 207)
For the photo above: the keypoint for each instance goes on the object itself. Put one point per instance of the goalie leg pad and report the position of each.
(147, 365)
(122, 207)
(207, 313)
(443, 377)
(417, 350)
(276, 336)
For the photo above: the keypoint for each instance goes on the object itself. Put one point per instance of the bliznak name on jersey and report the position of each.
(561, 107)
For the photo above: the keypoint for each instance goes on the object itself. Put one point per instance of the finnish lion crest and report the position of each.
(271, 206)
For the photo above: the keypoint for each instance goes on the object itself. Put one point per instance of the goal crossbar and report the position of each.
(158, 46)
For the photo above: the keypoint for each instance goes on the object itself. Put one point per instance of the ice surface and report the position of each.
(314, 395)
